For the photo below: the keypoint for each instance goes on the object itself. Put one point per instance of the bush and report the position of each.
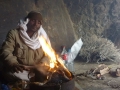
(98, 49)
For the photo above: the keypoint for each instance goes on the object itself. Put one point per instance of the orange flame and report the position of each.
(54, 58)
(49, 51)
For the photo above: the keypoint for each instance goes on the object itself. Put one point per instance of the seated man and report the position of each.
(22, 48)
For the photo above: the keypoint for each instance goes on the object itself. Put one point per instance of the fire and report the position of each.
(52, 65)
(55, 61)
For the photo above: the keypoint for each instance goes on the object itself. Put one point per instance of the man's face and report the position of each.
(33, 25)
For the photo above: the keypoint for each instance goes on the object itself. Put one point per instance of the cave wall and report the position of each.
(66, 20)
(56, 20)
(99, 17)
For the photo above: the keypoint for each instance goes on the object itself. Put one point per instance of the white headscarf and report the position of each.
(33, 42)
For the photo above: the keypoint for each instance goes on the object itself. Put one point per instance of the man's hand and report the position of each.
(16, 68)
(27, 68)
(20, 67)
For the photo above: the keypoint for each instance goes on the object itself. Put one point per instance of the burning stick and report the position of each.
(55, 62)
(64, 69)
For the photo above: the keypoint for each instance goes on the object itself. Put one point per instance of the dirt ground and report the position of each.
(87, 83)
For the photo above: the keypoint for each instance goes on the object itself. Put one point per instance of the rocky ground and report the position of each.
(110, 82)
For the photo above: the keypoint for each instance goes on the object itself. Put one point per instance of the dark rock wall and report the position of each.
(57, 22)
(100, 17)
(66, 20)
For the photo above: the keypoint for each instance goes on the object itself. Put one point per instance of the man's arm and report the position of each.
(8, 48)
(9, 60)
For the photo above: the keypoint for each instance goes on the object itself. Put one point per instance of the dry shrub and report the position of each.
(98, 49)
